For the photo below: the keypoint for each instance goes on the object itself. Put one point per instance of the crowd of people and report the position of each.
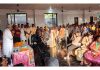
(81, 41)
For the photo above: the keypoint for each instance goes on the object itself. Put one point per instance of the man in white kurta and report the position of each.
(7, 42)
(22, 35)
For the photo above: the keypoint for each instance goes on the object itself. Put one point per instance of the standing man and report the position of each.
(33, 31)
(1, 35)
(52, 43)
(17, 34)
(22, 34)
(27, 33)
(8, 42)
(62, 36)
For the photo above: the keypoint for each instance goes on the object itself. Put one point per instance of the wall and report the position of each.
(3, 18)
(68, 16)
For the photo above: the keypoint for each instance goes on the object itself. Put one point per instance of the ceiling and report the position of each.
(54, 6)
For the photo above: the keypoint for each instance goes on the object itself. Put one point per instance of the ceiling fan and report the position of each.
(17, 7)
(62, 9)
(89, 9)
(18, 10)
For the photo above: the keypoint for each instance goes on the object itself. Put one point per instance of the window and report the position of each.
(50, 19)
(10, 18)
(17, 18)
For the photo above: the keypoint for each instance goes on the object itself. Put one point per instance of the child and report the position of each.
(3, 61)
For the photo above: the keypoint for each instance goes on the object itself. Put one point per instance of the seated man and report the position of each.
(75, 44)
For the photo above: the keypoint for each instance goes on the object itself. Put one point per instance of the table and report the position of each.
(25, 57)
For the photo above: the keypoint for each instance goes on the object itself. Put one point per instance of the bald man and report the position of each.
(7, 42)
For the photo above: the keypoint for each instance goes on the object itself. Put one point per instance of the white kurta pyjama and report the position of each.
(7, 43)
(22, 35)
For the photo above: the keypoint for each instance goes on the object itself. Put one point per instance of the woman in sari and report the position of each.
(75, 44)
(93, 55)
(86, 40)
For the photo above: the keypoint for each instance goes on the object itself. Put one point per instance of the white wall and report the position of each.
(68, 16)
(3, 18)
